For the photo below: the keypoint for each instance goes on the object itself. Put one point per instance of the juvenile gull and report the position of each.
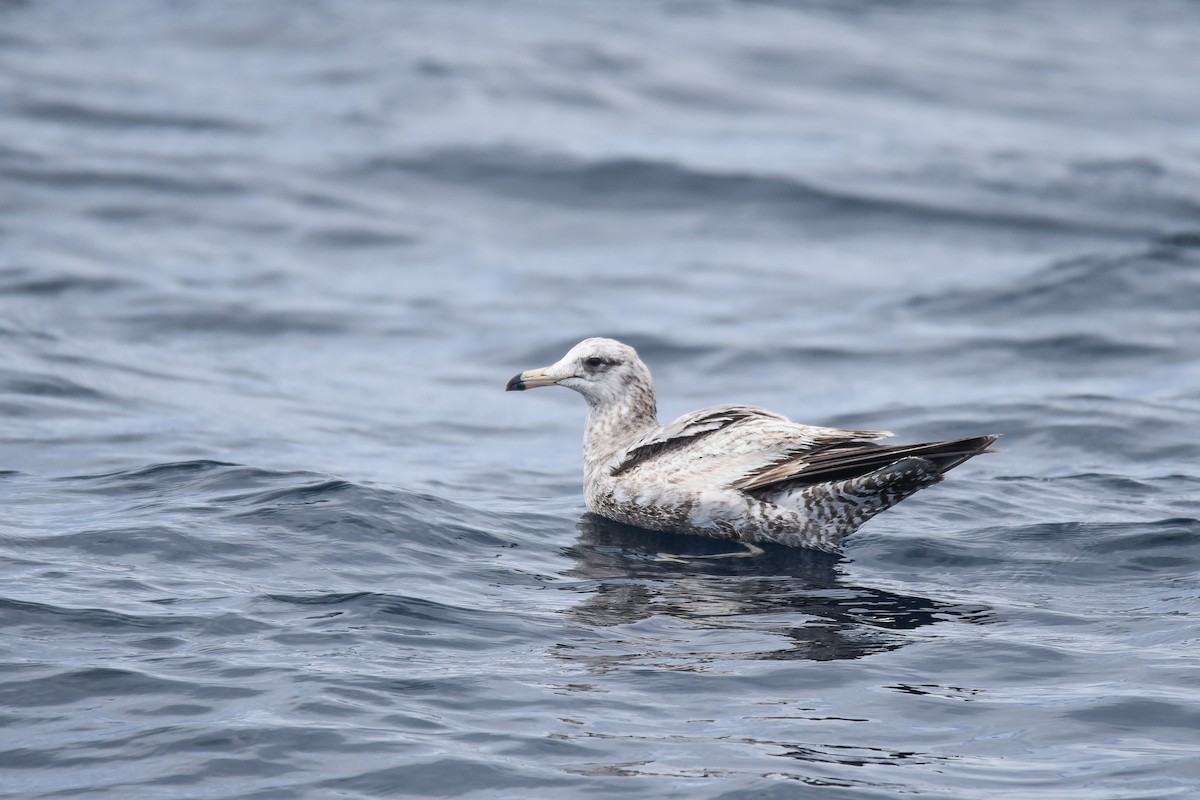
(731, 471)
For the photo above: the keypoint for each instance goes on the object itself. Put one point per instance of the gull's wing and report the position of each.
(848, 459)
(686, 431)
(733, 444)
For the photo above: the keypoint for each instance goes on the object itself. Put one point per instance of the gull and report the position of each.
(731, 471)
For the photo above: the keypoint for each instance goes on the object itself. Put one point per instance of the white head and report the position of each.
(606, 372)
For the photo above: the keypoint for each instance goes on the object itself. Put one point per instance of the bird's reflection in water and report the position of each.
(793, 601)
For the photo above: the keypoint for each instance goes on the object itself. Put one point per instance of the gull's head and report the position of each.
(602, 370)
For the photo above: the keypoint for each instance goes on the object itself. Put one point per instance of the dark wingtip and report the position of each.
(515, 384)
(969, 448)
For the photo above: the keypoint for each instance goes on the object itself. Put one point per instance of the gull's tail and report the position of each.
(854, 459)
(839, 497)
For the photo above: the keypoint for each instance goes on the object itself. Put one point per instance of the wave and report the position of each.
(1164, 277)
(49, 283)
(296, 501)
(432, 615)
(632, 184)
(636, 183)
(71, 686)
(236, 319)
(42, 384)
(80, 113)
(166, 180)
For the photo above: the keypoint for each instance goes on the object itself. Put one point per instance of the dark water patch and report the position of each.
(123, 119)
(201, 752)
(392, 689)
(1082, 349)
(34, 621)
(139, 214)
(99, 179)
(1074, 553)
(855, 756)
(180, 709)
(940, 553)
(73, 686)
(164, 543)
(618, 183)
(1177, 542)
(417, 609)
(1094, 434)
(329, 199)
(27, 614)
(1181, 240)
(273, 742)
(1134, 198)
(432, 776)
(379, 521)
(319, 599)
(39, 282)
(238, 320)
(1127, 485)
(388, 518)
(25, 333)
(359, 238)
(635, 575)
(33, 395)
(1060, 354)
(19, 155)
(605, 548)
(1054, 430)
(69, 361)
(1165, 278)
(317, 492)
(159, 644)
(15, 410)
(963, 694)
(635, 184)
(405, 621)
(56, 387)
(1137, 714)
(178, 474)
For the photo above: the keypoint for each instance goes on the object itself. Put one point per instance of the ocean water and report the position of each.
(272, 528)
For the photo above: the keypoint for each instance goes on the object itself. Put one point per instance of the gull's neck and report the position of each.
(615, 423)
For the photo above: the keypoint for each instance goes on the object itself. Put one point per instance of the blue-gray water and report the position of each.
(272, 529)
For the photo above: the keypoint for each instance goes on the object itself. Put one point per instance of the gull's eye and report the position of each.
(593, 362)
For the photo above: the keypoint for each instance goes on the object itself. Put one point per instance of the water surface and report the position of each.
(273, 529)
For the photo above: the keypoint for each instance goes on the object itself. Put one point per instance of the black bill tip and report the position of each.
(515, 384)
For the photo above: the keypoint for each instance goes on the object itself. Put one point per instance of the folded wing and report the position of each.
(731, 445)
(836, 461)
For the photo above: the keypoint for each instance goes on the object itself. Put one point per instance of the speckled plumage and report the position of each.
(731, 471)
